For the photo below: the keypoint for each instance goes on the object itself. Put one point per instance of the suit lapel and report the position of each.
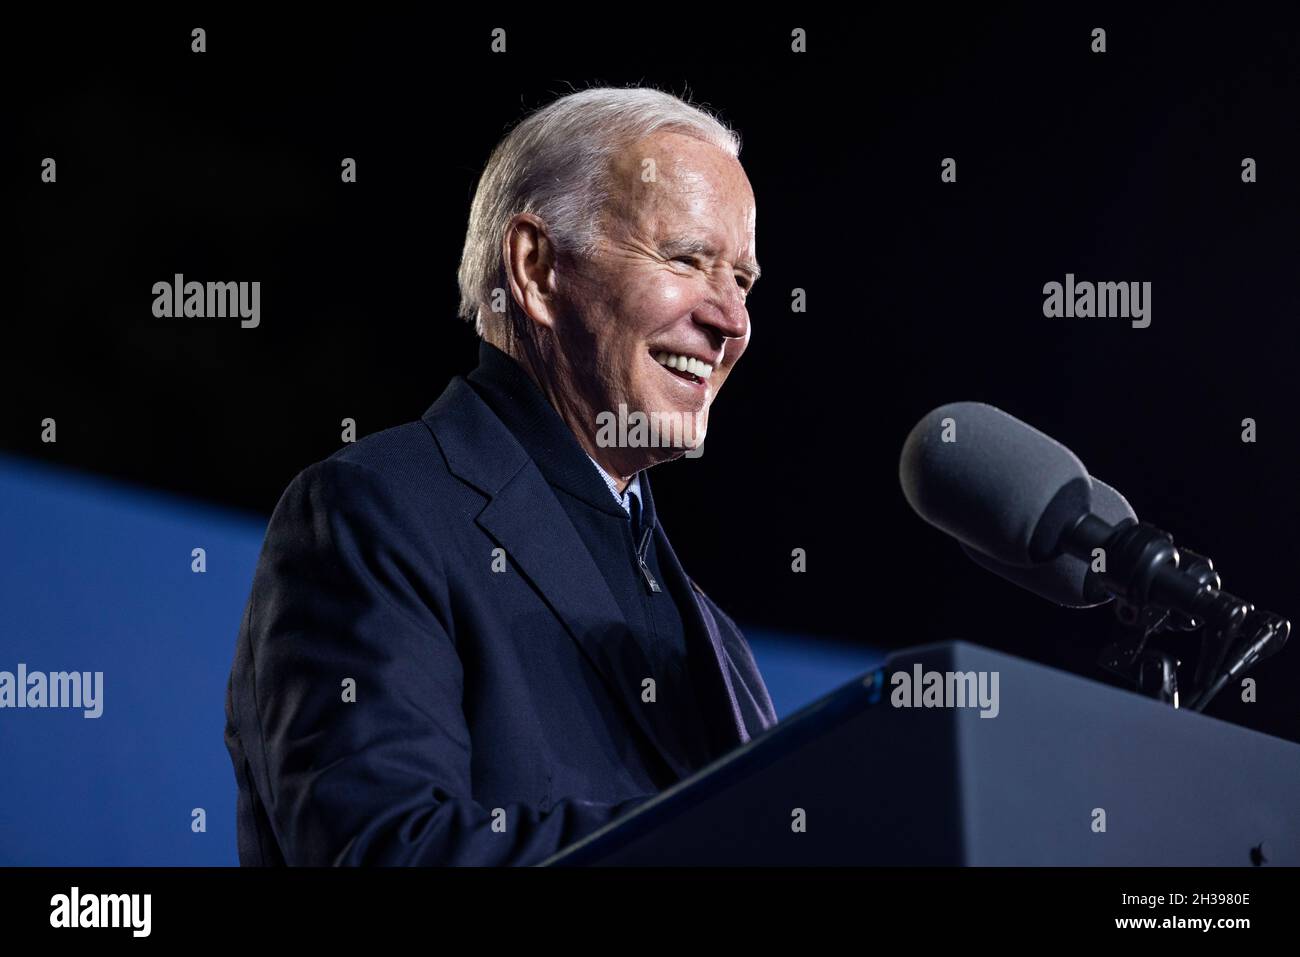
(698, 617)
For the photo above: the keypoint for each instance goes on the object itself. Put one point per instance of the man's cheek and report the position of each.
(671, 297)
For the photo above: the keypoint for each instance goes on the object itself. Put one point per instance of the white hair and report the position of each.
(556, 165)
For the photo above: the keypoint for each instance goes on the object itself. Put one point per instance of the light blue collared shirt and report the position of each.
(624, 499)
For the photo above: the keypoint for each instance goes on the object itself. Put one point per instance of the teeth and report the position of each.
(684, 364)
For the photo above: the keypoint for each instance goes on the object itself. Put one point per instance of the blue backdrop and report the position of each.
(96, 576)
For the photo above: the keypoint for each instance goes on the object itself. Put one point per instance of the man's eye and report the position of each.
(689, 260)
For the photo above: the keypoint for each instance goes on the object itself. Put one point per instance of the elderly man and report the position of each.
(469, 640)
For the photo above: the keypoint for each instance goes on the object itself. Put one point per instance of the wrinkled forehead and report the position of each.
(671, 181)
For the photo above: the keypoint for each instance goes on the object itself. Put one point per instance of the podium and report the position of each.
(1067, 772)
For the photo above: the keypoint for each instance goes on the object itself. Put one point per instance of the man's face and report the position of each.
(675, 264)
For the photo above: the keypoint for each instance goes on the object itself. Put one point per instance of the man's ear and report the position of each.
(529, 258)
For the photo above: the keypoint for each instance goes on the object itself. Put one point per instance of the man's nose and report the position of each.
(727, 313)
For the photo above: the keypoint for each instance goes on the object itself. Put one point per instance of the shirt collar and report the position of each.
(623, 498)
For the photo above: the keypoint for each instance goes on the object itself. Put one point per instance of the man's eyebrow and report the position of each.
(684, 247)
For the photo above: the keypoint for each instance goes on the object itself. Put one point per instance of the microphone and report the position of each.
(993, 483)
(1066, 580)
(1023, 506)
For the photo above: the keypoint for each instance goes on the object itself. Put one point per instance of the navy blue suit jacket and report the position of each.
(498, 717)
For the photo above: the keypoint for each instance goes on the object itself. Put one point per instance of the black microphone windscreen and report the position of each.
(1065, 580)
(993, 482)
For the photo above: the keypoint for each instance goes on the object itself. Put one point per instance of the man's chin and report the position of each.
(670, 454)
(669, 430)
(681, 430)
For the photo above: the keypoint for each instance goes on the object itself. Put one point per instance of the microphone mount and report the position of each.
(1158, 586)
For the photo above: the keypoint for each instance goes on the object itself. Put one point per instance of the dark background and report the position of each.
(1119, 166)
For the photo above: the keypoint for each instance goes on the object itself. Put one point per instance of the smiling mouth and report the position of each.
(685, 367)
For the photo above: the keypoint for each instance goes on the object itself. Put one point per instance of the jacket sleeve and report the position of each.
(383, 779)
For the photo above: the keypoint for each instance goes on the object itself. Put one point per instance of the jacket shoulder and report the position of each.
(397, 479)
(402, 449)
